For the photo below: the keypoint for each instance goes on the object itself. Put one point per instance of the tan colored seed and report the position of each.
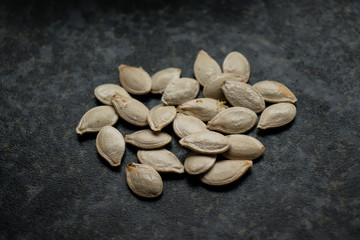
(162, 78)
(184, 125)
(196, 163)
(110, 145)
(160, 116)
(206, 142)
(275, 92)
(147, 139)
(105, 92)
(204, 67)
(134, 80)
(277, 115)
(233, 120)
(144, 180)
(161, 160)
(180, 91)
(225, 172)
(97, 118)
(243, 147)
(235, 62)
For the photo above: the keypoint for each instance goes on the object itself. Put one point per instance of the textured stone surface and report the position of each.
(54, 185)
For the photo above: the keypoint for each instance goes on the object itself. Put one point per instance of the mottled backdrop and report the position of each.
(54, 185)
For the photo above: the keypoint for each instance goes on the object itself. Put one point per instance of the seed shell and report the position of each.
(277, 115)
(162, 78)
(235, 62)
(110, 145)
(204, 67)
(243, 147)
(105, 92)
(184, 125)
(134, 80)
(147, 139)
(131, 110)
(196, 163)
(161, 160)
(160, 116)
(180, 91)
(275, 92)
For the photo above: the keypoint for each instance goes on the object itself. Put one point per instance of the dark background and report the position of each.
(53, 183)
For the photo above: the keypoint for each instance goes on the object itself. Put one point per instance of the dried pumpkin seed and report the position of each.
(162, 78)
(275, 92)
(147, 139)
(160, 116)
(105, 92)
(196, 163)
(204, 67)
(134, 80)
(110, 145)
(161, 160)
(180, 91)
(184, 125)
(243, 147)
(277, 115)
(235, 62)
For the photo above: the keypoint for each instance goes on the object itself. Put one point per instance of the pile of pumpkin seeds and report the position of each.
(206, 141)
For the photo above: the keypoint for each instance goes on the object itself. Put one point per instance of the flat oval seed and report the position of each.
(225, 172)
(97, 118)
(131, 110)
(147, 139)
(105, 92)
(184, 125)
(233, 120)
(204, 67)
(162, 78)
(110, 145)
(206, 142)
(203, 108)
(235, 62)
(180, 91)
(275, 92)
(161, 160)
(243, 147)
(196, 163)
(212, 88)
(134, 80)
(277, 115)
(160, 116)
(144, 180)
(243, 95)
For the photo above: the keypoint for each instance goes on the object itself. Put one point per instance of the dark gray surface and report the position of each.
(53, 183)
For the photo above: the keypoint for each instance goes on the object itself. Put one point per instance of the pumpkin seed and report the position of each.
(204, 67)
(131, 110)
(240, 94)
(147, 139)
(203, 108)
(161, 160)
(144, 180)
(97, 118)
(233, 120)
(184, 125)
(206, 142)
(277, 115)
(196, 163)
(235, 62)
(134, 80)
(162, 78)
(160, 116)
(110, 145)
(225, 172)
(105, 92)
(275, 92)
(180, 91)
(243, 147)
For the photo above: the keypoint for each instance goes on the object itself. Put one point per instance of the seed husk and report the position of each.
(196, 163)
(240, 94)
(148, 139)
(225, 172)
(131, 110)
(110, 145)
(180, 91)
(235, 62)
(277, 115)
(233, 120)
(162, 78)
(97, 118)
(203, 108)
(161, 160)
(204, 67)
(275, 92)
(144, 180)
(134, 80)
(104, 92)
(184, 125)
(160, 116)
(243, 147)
(206, 142)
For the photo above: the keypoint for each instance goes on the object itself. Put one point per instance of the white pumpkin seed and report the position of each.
(243, 147)
(225, 172)
(162, 78)
(277, 115)
(134, 80)
(147, 139)
(235, 62)
(105, 92)
(131, 110)
(275, 92)
(203, 108)
(206, 142)
(97, 118)
(196, 163)
(233, 120)
(184, 125)
(144, 180)
(110, 145)
(204, 67)
(161, 160)
(160, 116)
(240, 94)
(180, 91)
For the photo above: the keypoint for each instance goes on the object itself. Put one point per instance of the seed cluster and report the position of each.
(188, 118)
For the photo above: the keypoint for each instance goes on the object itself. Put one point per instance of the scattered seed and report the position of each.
(235, 62)
(131, 110)
(205, 67)
(275, 92)
(162, 78)
(147, 139)
(161, 160)
(277, 115)
(105, 92)
(184, 125)
(180, 91)
(196, 163)
(243, 147)
(110, 145)
(134, 80)
(160, 116)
